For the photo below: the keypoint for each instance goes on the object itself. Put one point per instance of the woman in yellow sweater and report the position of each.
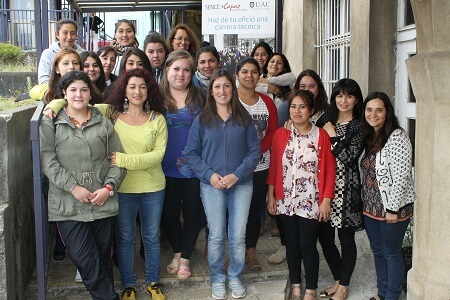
(136, 109)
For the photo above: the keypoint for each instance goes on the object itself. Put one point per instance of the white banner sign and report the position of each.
(238, 17)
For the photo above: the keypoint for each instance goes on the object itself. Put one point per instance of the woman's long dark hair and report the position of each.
(375, 140)
(139, 53)
(101, 81)
(286, 66)
(321, 101)
(350, 87)
(239, 115)
(117, 98)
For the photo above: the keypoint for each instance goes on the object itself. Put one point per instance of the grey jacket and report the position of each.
(69, 154)
(46, 61)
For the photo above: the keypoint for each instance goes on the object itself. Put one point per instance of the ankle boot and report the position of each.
(252, 261)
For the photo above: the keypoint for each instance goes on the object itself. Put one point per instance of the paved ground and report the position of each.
(268, 284)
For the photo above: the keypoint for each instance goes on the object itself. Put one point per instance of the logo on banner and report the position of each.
(259, 4)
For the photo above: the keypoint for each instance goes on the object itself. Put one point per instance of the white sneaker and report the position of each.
(78, 277)
(279, 256)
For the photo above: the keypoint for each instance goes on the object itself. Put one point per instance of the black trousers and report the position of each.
(182, 194)
(341, 267)
(301, 240)
(258, 202)
(89, 247)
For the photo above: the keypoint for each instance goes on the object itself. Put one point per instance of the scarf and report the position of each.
(122, 49)
(202, 80)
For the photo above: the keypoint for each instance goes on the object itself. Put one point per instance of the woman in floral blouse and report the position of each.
(301, 185)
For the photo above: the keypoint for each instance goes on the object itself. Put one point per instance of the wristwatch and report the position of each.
(111, 191)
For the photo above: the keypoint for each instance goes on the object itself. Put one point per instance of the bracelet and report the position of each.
(72, 187)
(108, 188)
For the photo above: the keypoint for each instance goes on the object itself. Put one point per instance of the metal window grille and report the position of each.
(333, 38)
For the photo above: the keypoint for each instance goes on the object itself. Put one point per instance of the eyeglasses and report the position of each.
(180, 38)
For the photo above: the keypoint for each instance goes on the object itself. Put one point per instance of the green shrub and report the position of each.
(10, 54)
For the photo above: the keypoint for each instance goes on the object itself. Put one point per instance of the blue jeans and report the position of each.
(216, 203)
(386, 242)
(150, 207)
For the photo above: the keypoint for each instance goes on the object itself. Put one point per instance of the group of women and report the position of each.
(203, 140)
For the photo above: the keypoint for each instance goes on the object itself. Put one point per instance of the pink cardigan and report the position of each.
(327, 164)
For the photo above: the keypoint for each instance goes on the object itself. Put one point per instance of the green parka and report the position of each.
(70, 154)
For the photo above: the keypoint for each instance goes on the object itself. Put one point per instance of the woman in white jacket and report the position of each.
(387, 191)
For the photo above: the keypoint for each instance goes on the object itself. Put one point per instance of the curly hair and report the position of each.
(117, 97)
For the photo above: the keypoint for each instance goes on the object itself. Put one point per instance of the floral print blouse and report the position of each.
(300, 163)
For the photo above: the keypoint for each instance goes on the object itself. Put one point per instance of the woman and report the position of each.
(74, 150)
(208, 61)
(181, 37)
(132, 59)
(138, 110)
(124, 40)
(156, 50)
(343, 125)
(225, 168)
(301, 186)
(261, 53)
(92, 65)
(66, 34)
(108, 58)
(387, 204)
(309, 80)
(183, 101)
(66, 60)
(265, 119)
(277, 65)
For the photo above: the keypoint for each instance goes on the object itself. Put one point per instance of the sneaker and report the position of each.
(237, 289)
(219, 291)
(154, 290)
(279, 256)
(78, 277)
(129, 293)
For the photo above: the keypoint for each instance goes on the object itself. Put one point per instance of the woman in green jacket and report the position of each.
(74, 154)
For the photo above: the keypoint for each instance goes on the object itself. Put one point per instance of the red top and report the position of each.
(326, 173)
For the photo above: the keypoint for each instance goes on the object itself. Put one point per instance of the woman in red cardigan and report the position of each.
(301, 185)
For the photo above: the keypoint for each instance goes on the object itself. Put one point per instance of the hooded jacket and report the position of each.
(46, 61)
(70, 154)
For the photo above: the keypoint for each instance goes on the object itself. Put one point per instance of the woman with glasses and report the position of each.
(182, 38)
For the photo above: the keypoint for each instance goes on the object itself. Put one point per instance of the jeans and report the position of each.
(386, 242)
(216, 202)
(150, 207)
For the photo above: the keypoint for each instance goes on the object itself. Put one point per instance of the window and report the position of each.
(333, 38)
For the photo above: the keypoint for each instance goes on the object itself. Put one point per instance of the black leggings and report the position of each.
(301, 240)
(182, 194)
(258, 202)
(342, 268)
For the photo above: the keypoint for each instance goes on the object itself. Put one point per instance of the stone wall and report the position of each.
(14, 83)
(17, 238)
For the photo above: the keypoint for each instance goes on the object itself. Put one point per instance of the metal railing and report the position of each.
(333, 41)
(17, 26)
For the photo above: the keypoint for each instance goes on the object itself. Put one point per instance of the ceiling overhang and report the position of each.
(85, 6)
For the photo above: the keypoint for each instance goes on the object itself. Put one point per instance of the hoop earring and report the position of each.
(147, 107)
(125, 106)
